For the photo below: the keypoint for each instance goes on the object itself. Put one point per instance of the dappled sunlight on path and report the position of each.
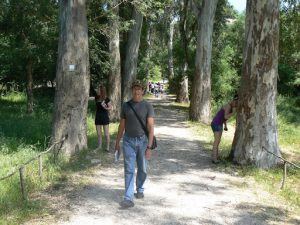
(183, 187)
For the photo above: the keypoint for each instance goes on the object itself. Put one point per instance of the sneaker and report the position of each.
(139, 195)
(126, 204)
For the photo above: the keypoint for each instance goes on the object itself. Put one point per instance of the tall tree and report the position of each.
(201, 89)
(256, 118)
(131, 55)
(29, 27)
(72, 79)
(148, 48)
(183, 91)
(170, 33)
(29, 85)
(227, 52)
(114, 90)
(99, 30)
(289, 48)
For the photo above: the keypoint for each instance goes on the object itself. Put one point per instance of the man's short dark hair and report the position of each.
(138, 83)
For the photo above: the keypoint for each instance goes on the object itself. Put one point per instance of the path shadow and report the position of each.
(176, 158)
(256, 213)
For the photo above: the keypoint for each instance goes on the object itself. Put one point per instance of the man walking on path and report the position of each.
(136, 144)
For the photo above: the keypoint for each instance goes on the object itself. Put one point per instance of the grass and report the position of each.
(289, 141)
(22, 137)
(288, 110)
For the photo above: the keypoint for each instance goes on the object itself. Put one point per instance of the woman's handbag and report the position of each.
(154, 142)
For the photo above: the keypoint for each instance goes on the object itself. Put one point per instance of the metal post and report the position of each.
(22, 182)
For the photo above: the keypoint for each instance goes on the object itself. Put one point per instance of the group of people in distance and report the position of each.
(136, 146)
(156, 88)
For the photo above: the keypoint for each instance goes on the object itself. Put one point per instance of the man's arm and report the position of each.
(229, 112)
(150, 127)
(225, 125)
(120, 134)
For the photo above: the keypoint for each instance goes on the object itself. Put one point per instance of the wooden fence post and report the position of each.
(22, 181)
(284, 174)
(40, 167)
(22, 168)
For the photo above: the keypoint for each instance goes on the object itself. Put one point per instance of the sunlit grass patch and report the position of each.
(16, 124)
(13, 207)
(22, 137)
(10, 159)
(14, 97)
(183, 105)
(271, 179)
(288, 123)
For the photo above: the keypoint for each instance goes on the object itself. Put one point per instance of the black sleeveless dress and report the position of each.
(102, 117)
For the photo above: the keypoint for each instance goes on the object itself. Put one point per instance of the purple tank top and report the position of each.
(219, 118)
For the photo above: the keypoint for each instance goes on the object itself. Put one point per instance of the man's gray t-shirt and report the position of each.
(133, 127)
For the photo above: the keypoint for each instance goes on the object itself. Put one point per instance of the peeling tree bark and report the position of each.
(114, 90)
(148, 50)
(132, 50)
(201, 89)
(170, 34)
(183, 91)
(256, 115)
(72, 83)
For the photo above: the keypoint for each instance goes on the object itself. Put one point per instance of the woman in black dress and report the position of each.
(103, 105)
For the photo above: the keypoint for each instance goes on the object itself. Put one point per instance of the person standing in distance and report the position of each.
(220, 118)
(136, 144)
(103, 105)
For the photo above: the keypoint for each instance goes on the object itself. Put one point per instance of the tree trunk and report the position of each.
(132, 50)
(148, 51)
(170, 34)
(183, 91)
(29, 86)
(72, 79)
(256, 115)
(114, 90)
(201, 89)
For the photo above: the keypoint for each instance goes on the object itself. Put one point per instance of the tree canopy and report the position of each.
(29, 35)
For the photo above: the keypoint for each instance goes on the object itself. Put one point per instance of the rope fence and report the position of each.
(21, 168)
(285, 162)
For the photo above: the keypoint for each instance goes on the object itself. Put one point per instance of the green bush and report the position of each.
(287, 82)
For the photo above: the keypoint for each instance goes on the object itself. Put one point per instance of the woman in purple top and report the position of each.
(217, 125)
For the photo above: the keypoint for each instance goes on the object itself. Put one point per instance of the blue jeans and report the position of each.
(134, 151)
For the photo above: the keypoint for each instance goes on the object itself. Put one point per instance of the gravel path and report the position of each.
(183, 187)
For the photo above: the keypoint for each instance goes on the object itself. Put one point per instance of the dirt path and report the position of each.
(183, 187)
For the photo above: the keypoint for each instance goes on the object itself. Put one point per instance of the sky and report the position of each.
(239, 5)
